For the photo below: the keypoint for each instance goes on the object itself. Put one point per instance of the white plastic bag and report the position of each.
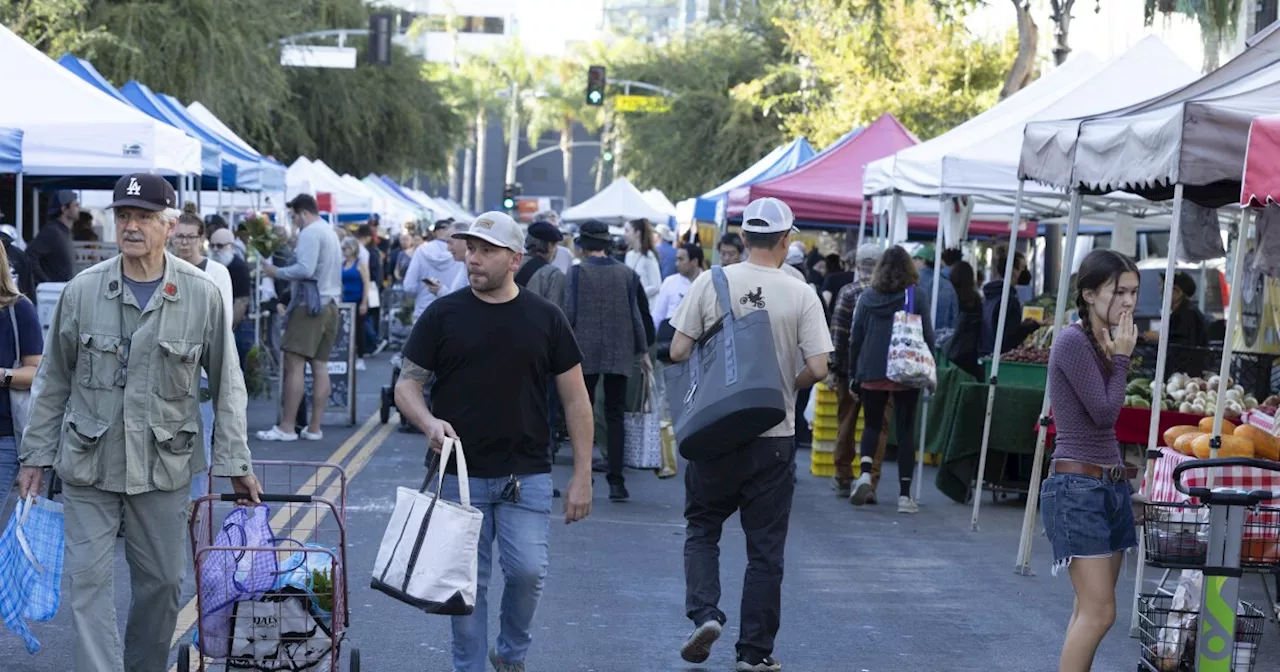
(811, 408)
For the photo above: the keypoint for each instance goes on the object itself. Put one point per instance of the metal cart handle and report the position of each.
(1208, 496)
(290, 499)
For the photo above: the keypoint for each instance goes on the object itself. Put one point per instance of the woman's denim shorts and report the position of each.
(1086, 517)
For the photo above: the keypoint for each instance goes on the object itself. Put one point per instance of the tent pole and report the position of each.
(17, 198)
(220, 197)
(862, 232)
(933, 320)
(1006, 287)
(1023, 563)
(35, 212)
(1224, 371)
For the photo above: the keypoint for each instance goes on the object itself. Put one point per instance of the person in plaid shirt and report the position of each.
(849, 403)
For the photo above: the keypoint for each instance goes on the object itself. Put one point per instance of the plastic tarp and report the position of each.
(85, 70)
(617, 203)
(273, 172)
(10, 150)
(71, 128)
(1049, 148)
(212, 163)
(1260, 185)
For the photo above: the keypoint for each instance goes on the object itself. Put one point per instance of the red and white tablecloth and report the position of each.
(1161, 487)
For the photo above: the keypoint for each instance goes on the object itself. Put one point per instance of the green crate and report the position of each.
(1018, 373)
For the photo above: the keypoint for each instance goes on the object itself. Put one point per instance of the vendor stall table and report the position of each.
(1011, 447)
(1241, 478)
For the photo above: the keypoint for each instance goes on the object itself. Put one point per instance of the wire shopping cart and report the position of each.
(271, 580)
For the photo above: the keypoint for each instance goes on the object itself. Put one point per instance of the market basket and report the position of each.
(1177, 534)
(1168, 635)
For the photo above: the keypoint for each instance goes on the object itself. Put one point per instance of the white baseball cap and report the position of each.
(496, 228)
(768, 215)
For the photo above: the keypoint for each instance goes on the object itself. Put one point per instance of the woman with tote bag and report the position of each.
(21, 345)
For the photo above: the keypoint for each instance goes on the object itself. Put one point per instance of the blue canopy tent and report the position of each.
(214, 164)
(784, 158)
(251, 168)
(85, 70)
(10, 151)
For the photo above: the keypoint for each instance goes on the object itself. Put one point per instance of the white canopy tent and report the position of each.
(459, 213)
(399, 210)
(660, 202)
(437, 210)
(72, 128)
(311, 177)
(615, 204)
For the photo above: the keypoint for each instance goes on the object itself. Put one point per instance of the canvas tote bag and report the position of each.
(730, 390)
(909, 361)
(430, 552)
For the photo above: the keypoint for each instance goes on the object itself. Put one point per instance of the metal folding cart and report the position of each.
(279, 603)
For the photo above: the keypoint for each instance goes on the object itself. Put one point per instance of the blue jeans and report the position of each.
(8, 468)
(521, 531)
(200, 481)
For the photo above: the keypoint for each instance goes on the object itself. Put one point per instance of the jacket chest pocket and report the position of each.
(179, 365)
(100, 362)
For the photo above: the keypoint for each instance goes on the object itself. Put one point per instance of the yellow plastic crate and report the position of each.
(822, 470)
(824, 434)
(825, 423)
(824, 446)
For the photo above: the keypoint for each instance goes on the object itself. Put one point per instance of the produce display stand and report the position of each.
(1007, 472)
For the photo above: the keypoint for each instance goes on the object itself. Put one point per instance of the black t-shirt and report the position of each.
(492, 364)
(241, 281)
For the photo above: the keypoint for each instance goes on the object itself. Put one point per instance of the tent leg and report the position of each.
(933, 319)
(35, 212)
(17, 203)
(1006, 287)
(1023, 563)
(1224, 371)
(862, 232)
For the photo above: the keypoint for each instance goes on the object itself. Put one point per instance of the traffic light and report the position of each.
(596, 80)
(509, 194)
(608, 156)
(380, 28)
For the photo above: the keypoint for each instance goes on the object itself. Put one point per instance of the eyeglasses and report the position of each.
(219, 246)
(187, 237)
(122, 356)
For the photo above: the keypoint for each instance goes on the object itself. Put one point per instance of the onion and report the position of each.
(1233, 394)
(1197, 408)
(1178, 395)
(1213, 381)
(1186, 407)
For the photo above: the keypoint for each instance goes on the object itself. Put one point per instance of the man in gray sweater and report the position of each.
(601, 304)
(312, 323)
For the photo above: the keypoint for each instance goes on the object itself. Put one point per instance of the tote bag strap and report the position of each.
(440, 463)
(911, 299)
(721, 282)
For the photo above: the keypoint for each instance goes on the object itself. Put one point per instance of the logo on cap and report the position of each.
(134, 189)
(484, 223)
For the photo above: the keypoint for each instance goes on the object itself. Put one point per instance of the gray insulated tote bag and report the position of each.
(730, 390)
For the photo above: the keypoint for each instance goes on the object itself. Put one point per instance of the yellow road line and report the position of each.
(188, 616)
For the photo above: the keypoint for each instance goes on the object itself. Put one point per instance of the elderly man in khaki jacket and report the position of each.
(116, 412)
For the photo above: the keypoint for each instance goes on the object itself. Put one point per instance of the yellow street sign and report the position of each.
(641, 104)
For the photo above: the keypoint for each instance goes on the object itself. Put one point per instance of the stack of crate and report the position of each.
(826, 424)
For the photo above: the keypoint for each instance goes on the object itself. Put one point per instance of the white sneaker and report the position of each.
(861, 490)
(274, 434)
(360, 364)
(907, 505)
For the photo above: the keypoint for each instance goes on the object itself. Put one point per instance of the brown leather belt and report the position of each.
(1114, 474)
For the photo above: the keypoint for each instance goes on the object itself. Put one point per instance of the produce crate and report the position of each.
(1018, 373)
(823, 446)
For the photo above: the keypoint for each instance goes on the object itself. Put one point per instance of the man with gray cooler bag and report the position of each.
(732, 396)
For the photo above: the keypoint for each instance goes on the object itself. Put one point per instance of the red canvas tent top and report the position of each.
(1260, 185)
(828, 188)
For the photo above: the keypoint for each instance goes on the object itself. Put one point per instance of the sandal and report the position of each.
(274, 434)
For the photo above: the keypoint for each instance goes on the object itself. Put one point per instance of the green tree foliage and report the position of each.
(223, 53)
(709, 135)
(931, 74)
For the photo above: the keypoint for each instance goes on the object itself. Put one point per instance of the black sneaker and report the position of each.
(618, 492)
(697, 649)
(766, 664)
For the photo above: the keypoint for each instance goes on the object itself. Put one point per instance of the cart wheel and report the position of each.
(353, 663)
(184, 658)
(384, 413)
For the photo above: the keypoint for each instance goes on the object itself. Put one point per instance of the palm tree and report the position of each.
(1217, 19)
(559, 105)
(477, 83)
(516, 68)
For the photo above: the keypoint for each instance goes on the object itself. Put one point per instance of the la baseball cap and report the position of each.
(496, 228)
(768, 215)
(145, 191)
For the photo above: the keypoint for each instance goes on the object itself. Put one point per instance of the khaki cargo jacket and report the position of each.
(145, 435)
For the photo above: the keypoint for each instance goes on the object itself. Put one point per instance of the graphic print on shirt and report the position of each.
(756, 298)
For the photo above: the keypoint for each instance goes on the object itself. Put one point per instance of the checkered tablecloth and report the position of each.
(1161, 487)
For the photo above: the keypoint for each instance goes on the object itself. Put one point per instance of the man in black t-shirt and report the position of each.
(222, 249)
(491, 349)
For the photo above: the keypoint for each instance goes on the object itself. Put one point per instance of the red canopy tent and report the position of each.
(828, 188)
(1260, 185)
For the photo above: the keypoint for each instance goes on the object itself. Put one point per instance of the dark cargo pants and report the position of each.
(759, 482)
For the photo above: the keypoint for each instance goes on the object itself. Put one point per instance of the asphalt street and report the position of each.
(866, 589)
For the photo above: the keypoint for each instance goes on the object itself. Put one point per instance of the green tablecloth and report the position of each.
(941, 423)
(1012, 433)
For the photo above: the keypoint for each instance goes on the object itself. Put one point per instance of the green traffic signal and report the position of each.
(594, 97)
(509, 203)
(608, 156)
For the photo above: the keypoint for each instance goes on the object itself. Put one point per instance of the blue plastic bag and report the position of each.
(31, 551)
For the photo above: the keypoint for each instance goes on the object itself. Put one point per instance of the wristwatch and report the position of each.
(8, 378)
